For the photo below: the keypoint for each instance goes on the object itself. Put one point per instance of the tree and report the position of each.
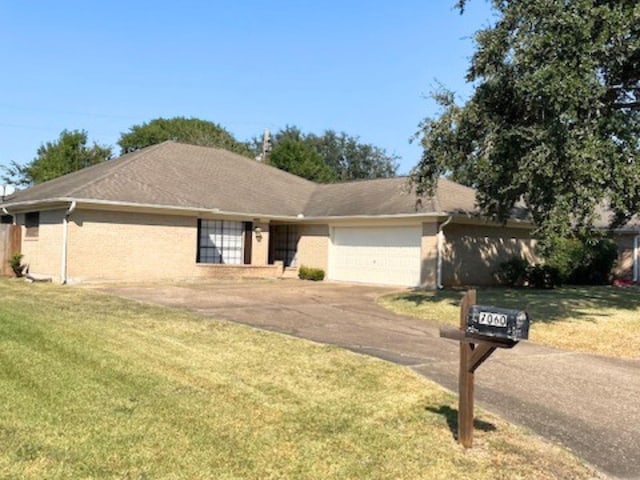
(352, 160)
(298, 158)
(180, 129)
(554, 119)
(344, 157)
(54, 159)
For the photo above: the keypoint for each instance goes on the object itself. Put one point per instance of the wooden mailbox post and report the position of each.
(474, 350)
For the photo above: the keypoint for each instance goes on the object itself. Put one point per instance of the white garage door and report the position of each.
(384, 255)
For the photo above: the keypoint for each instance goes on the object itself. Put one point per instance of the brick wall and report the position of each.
(472, 254)
(260, 248)
(313, 246)
(106, 245)
(428, 275)
(135, 247)
(43, 254)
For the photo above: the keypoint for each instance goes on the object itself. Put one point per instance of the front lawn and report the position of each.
(603, 320)
(92, 386)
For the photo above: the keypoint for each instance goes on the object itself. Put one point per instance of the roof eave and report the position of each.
(53, 203)
(29, 205)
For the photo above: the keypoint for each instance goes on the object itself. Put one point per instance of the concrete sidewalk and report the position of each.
(590, 404)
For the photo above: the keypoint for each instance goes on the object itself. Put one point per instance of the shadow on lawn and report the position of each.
(451, 416)
(544, 306)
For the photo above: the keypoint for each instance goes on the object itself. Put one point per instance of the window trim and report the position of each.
(219, 228)
(32, 225)
(285, 244)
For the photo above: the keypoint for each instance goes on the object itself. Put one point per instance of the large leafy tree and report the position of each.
(352, 160)
(181, 129)
(554, 119)
(343, 156)
(292, 154)
(54, 159)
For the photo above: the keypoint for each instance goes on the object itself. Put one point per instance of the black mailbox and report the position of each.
(497, 323)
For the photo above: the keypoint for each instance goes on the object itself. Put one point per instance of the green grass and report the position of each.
(92, 386)
(603, 320)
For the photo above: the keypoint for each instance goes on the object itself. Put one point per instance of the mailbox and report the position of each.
(500, 324)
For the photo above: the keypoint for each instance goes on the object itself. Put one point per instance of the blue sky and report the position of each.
(363, 67)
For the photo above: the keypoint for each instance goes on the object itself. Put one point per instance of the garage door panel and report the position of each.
(385, 255)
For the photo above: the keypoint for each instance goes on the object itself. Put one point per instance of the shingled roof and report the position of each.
(176, 175)
(387, 196)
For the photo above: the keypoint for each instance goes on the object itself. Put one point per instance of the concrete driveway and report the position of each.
(590, 404)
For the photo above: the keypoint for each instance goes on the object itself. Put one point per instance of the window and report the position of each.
(32, 224)
(286, 244)
(220, 242)
(6, 219)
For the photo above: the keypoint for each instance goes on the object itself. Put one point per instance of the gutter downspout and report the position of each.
(65, 237)
(439, 285)
(636, 266)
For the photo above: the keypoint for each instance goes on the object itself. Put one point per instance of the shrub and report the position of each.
(543, 276)
(15, 262)
(582, 262)
(308, 273)
(513, 272)
(597, 263)
(518, 272)
(565, 254)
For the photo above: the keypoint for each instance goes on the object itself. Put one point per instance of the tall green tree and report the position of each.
(344, 156)
(181, 129)
(351, 159)
(54, 159)
(296, 157)
(554, 119)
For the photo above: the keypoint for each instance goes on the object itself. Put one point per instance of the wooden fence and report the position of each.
(9, 244)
